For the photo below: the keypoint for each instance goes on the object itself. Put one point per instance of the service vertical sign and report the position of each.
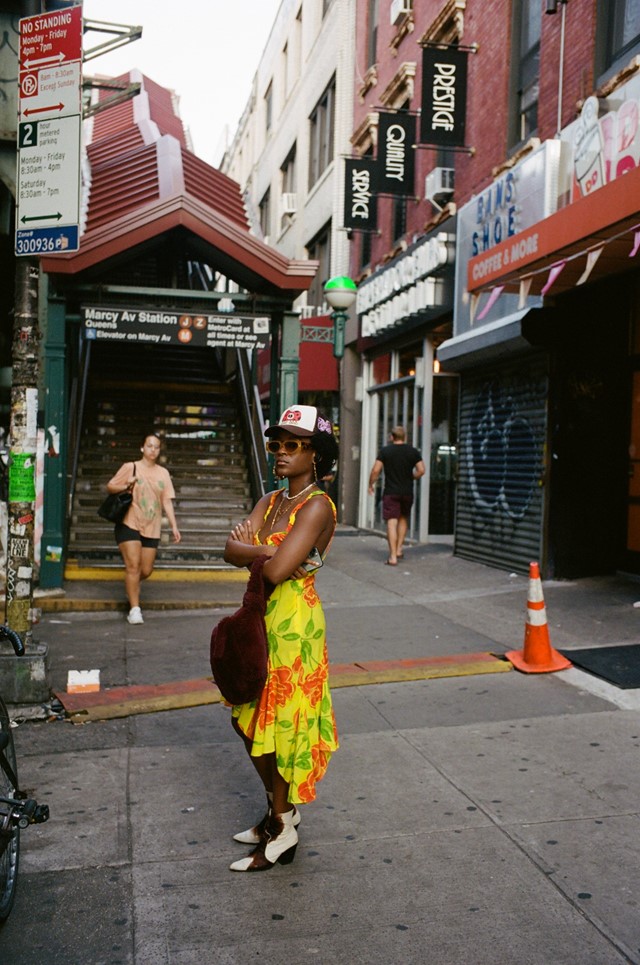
(49, 132)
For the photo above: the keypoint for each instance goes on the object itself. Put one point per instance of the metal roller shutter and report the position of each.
(500, 497)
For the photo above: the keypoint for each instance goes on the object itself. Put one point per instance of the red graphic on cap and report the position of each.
(292, 415)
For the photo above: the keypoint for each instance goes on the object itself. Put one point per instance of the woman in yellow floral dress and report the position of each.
(289, 731)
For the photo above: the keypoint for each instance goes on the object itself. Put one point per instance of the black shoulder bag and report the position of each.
(115, 506)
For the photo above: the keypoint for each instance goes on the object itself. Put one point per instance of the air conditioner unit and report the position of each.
(289, 203)
(400, 9)
(439, 184)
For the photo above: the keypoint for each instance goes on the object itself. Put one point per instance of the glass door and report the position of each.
(444, 454)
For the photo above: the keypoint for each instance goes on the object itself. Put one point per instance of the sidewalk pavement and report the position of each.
(465, 820)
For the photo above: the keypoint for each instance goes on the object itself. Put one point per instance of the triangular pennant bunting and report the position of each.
(493, 298)
(592, 257)
(525, 288)
(553, 274)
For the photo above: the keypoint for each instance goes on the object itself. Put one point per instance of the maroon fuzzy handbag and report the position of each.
(239, 642)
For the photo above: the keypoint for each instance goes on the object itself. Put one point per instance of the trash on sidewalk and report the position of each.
(538, 656)
(83, 681)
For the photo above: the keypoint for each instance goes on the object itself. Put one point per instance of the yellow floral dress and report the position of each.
(293, 717)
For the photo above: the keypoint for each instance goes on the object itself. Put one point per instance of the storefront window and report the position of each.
(382, 369)
(407, 360)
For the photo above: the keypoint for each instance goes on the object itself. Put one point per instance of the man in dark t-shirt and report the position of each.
(402, 464)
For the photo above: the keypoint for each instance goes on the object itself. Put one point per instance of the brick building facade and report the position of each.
(539, 337)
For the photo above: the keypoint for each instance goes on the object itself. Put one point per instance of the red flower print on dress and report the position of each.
(307, 791)
(281, 681)
(309, 594)
(312, 686)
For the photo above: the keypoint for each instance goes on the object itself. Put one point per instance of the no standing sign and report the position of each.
(49, 132)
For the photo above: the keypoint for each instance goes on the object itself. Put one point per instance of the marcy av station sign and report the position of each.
(155, 326)
(49, 132)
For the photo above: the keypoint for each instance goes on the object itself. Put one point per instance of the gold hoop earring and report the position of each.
(315, 471)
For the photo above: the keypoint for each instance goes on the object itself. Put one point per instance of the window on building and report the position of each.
(372, 32)
(319, 249)
(527, 24)
(268, 108)
(288, 171)
(286, 79)
(295, 53)
(365, 249)
(289, 204)
(619, 22)
(321, 124)
(265, 215)
(399, 217)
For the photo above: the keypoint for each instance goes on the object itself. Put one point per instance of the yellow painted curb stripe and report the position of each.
(114, 574)
(63, 605)
(355, 678)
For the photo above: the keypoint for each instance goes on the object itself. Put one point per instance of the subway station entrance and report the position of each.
(154, 325)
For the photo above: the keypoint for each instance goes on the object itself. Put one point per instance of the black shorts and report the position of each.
(124, 534)
(394, 506)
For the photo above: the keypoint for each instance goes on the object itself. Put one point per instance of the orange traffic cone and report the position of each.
(538, 655)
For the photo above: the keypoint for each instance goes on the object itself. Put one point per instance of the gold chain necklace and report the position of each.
(283, 503)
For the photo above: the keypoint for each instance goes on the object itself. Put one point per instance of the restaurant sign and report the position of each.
(405, 287)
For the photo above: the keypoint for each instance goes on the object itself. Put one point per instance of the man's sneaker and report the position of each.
(135, 615)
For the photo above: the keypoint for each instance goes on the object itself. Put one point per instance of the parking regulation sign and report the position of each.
(49, 133)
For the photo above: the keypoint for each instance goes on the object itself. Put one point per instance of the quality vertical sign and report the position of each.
(396, 154)
(49, 132)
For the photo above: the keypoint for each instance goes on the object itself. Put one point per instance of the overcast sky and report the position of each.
(207, 51)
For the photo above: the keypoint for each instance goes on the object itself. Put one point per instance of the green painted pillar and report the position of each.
(289, 359)
(55, 449)
(274, 377)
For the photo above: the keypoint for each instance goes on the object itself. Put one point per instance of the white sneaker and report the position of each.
(135, 615)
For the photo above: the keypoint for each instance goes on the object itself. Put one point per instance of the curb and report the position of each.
(62, 605)
(118, 702)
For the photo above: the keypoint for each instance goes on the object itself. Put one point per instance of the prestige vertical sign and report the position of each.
(49, 132)
(444, 96)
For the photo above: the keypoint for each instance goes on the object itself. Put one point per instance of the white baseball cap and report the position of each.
(301, 420)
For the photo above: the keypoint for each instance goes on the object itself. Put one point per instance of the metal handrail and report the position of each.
(252, 424)
(76, 415)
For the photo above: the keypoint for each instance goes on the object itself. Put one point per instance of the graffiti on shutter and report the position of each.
(500, 501)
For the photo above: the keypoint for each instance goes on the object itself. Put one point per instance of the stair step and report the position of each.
(203, 450)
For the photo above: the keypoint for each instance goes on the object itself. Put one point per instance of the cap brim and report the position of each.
(292, 430)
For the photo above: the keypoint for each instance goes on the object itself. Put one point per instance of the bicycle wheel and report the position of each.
(9, 858)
